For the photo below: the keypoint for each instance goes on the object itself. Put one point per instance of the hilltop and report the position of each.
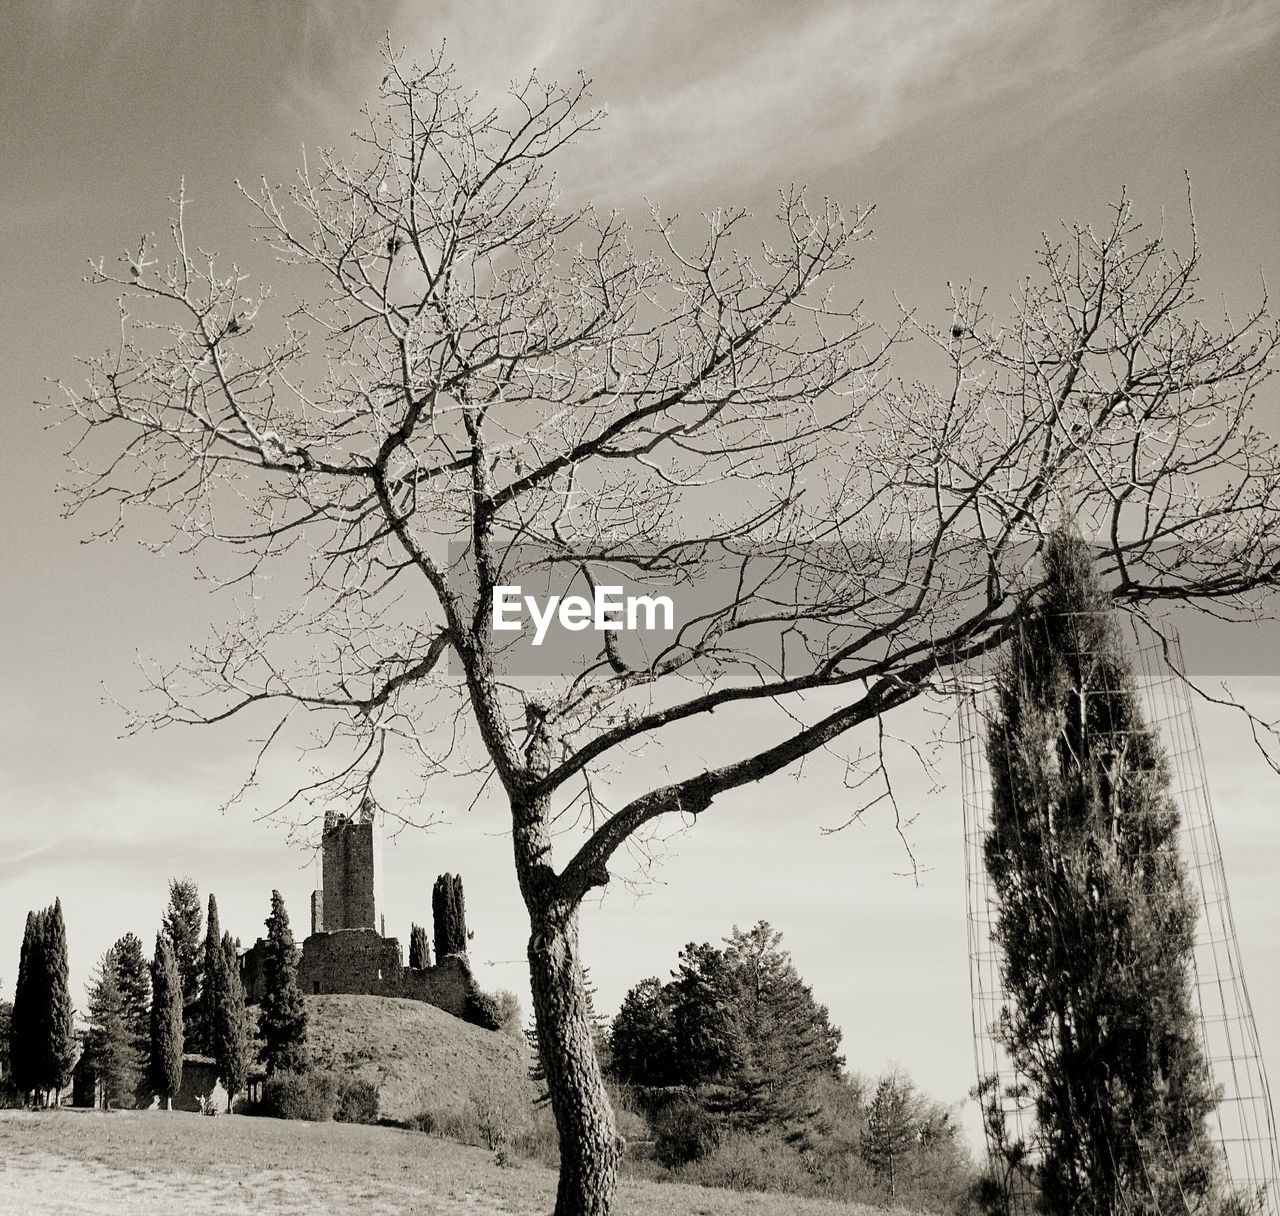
(419, 1056)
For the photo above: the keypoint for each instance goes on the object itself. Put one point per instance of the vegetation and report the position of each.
(229, 1030)
(133, 977)
(449, 915)
(110, 1048)
(736, 1027)
(213, 962)
(282, 1018)
(357, 1101)
(419, 948)
(183, 921)
(166, 1034)
(42, 1043)
(311, 1095)
(1096, 918)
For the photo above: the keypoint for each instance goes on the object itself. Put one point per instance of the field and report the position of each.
(82, 1163)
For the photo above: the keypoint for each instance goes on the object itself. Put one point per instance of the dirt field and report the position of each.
(85, 1163)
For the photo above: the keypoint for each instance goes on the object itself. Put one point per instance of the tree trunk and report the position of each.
(589, 1144)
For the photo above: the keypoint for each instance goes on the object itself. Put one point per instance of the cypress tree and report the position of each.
(183, 921)
(449, 914)
(282, 1023)
(230, 1045)
(165, 1023)
(1095, 916)
(419, 948)
(109, 1044)
(59, 1014)
(24, 1024)
(214, 962)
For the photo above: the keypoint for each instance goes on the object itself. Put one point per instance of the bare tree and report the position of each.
(478, 382)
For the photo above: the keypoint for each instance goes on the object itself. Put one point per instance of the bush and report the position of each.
(482, 1010)
(751, 1163)
(357, 1101)
(311, 1095)
(423, 1121)
(683, 1132)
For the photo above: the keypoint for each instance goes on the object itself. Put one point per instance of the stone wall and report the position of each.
(360, 961)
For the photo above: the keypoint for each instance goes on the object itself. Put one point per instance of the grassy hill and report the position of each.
(170, 1163)
(419, 1057)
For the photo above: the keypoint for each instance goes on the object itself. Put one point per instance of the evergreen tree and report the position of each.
(183, 921)
(643, 1038)
(449, 915)
(787, 1039)
(134, 980)
(282, 1021)
(166, 1039)
(230, 1030)
(214, 963)
(6, 1025)
(25, 1038)
(109, 1044)
(1095, 916)
(419, 948)
(59, 1014)
(895, 1121)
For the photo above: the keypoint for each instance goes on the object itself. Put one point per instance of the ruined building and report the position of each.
(348, 950)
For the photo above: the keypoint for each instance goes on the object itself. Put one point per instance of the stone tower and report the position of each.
(351, 865)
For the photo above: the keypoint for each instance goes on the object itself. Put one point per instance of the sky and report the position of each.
(972, 127)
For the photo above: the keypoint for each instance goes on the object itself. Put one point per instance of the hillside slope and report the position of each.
(418, 1056)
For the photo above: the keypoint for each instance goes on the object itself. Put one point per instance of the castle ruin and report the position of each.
(348, 950)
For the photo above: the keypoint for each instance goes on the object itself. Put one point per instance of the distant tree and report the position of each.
(60, 1038)
(230, 1030)
(214, 963)
(895, 1120)
(705, 1017)
(183, 922)
(643, 1036)
(26, 1034)
(109, 1045)
(133, 977)
(419, 948)
(282, 1021)
(166, 1036)
(507, 1007)
(1096, 918)
(449, 914)
(787, 1039)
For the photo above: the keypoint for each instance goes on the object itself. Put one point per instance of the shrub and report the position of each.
(423, 1121)
(357, 1101)
(683, 1132)
(482, 1010)
(751, 1163)
(311, 1095)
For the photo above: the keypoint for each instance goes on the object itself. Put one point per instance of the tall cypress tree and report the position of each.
(282, 1022)
(449, 914)
(183, 922)
(214, 962)
(230, 1033)
(25, 1047)
(419, 948)
(1095, 918)
(166, 1040)
(59, 1020)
